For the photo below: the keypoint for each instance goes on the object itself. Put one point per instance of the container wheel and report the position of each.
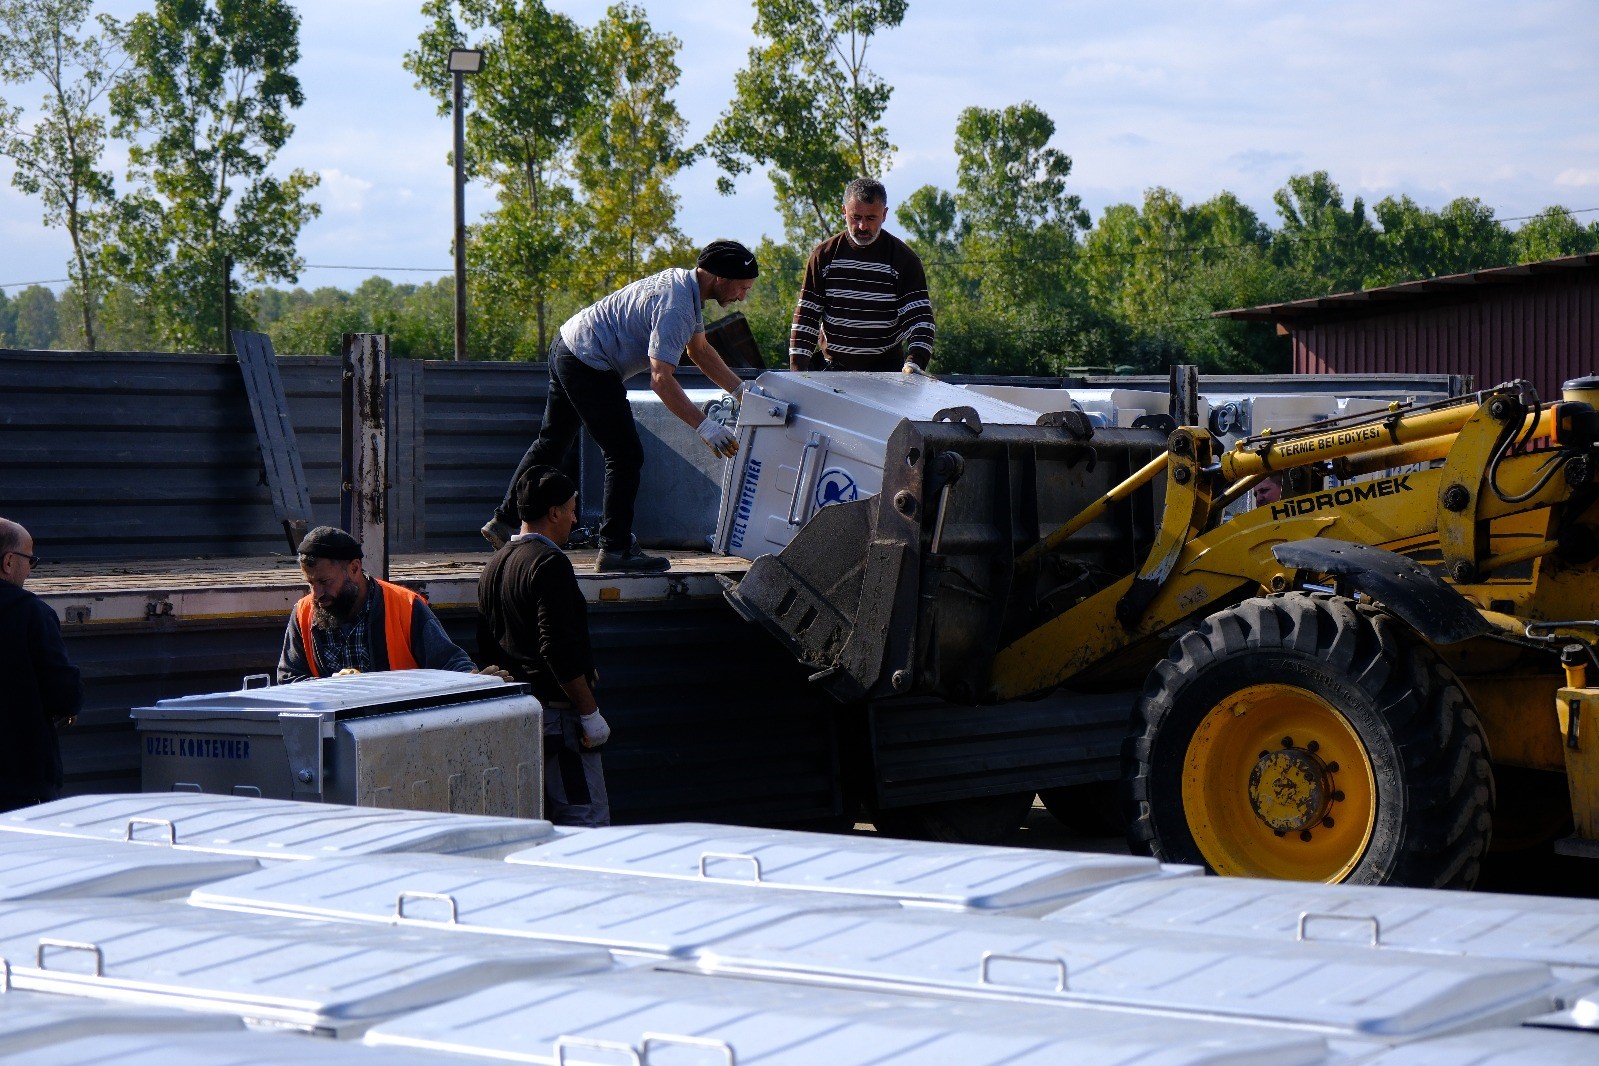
(980, 820)
(1092, 809)
(1308, 738)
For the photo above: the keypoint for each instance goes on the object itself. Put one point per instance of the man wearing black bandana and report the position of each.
(534, 620)
(350, 622)
(641, 328)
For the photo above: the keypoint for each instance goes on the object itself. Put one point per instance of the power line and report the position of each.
(25, 284)
(417, 270)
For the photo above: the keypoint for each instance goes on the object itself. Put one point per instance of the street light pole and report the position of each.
(463, 61)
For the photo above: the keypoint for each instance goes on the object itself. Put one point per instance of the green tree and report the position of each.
(37, 323)
(1416, 242)
(8, 321)
(628, 148)
(808, 107)
(57, 158)
(526, 104)
(1330, 246)
(206, 107)
(1552, 233)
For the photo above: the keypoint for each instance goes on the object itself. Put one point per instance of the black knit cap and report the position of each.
(326, 542)
(541, 488)
(729, 259)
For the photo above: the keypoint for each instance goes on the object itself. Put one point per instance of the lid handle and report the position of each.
(255, 681)
(1306, 917)
(436, 897)
(988, 958)
(172, 830)
(728, 856)
(65, 945)
(614, 1046)
(708, 1043)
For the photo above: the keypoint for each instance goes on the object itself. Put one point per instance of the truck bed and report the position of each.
(140, 590)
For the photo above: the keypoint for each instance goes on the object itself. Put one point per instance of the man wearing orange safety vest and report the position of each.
(352, 622)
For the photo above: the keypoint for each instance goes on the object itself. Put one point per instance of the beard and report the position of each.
(338, 610)
(857, 242)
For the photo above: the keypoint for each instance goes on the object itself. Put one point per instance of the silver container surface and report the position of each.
(271, 829)
(1349, 990)
(431, 740)
(40, 867)
(619, 912)
(1494, 1047)
(911, 871)
(318, 977)
(231, 1049)
(643, 1017)
(32, 1020)
(1550, 929)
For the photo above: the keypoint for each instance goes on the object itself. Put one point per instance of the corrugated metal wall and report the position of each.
(1547, 332)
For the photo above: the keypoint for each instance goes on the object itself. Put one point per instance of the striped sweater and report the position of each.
(858, 304)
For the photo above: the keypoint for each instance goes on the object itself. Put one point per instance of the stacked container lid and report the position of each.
(272, 829)
(692, 944)
(915, 873)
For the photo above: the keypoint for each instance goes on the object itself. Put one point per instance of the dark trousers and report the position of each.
(596, 400)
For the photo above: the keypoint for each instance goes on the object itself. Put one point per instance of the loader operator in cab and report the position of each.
(863, 303)
(642, 326)
(352, 623)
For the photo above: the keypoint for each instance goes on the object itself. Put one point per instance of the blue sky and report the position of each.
(1421, 97)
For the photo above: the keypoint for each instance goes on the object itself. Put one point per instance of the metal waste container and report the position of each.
(426, 740)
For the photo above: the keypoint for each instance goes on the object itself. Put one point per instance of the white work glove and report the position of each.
(596, 730)
(718, 438)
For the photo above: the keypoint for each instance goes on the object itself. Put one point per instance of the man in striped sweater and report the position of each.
(863, 304)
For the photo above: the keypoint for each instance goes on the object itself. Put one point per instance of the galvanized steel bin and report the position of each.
(414, 739)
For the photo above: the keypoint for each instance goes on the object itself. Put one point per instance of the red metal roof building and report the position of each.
(1538, 321)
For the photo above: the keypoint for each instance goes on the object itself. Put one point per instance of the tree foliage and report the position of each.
(628, 148)
(808, 107)
(205, 106)
(524, 110)
(58, 155)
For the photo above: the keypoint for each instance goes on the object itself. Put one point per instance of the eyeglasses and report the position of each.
(33, 560)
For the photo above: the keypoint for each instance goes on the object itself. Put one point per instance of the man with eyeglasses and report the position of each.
(39, 686)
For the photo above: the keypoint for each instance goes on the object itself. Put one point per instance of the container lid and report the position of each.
(624, 913)
(253, 1048)
(40, 867)
(913, 396)
(384, 691)
(327, 978)
(270, 829)
(1357, 991)
(1548, 929)
(33, 1020)
(1495, 1047)
(911, 871)
(637, 1015)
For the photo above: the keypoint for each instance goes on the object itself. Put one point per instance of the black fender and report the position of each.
(1420, 598)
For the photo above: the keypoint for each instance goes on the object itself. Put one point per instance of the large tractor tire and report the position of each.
(1306, 737)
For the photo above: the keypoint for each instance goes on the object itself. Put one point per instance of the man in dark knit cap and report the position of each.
(863, 303)
(642, 326)
(532, 618)
(350, 622)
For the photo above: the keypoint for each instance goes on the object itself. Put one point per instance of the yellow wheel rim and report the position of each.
(1276, 783)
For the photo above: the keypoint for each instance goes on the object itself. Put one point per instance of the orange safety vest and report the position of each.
(398, 602)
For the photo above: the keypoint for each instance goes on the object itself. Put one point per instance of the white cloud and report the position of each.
(341, 192)
(1573, 176)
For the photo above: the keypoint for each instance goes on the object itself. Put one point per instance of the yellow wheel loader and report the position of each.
(1326, 687)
